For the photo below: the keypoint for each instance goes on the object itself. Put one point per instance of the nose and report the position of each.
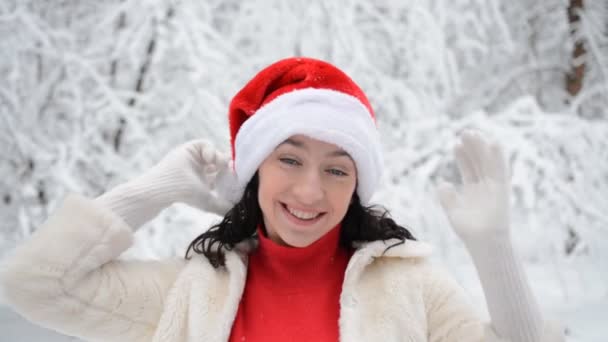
(308, 188)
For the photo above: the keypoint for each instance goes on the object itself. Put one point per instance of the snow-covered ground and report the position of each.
(14, 328)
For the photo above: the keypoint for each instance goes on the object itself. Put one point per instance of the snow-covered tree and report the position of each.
(94, 92)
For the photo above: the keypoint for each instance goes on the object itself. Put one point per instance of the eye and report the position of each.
(289, 161)
(337, 172)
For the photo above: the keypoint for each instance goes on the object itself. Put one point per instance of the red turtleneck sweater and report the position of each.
(292, 294)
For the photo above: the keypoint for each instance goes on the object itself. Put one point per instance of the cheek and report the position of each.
(265, 191)
(341, 198)
(271, 184)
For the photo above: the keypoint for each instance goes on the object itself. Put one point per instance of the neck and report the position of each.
(291, 265)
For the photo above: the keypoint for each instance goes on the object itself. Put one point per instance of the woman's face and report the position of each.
(306, 186)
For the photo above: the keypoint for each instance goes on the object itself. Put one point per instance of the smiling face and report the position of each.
(305, 188)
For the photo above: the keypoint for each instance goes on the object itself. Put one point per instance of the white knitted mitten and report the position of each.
(479, 214)
(187, 174)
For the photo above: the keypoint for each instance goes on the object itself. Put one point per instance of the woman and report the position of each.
(298, 256)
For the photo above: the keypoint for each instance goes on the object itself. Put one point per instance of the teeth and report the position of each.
(302, 214)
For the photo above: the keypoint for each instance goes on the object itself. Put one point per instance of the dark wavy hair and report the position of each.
(360, 224)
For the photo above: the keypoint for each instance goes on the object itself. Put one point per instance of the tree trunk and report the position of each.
(574, 79)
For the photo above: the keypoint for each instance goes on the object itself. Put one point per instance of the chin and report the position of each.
(298, 237)
(298, 242)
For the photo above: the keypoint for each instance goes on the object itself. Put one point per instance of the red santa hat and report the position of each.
(302, 96)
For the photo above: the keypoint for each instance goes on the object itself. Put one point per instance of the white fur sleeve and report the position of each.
(451, 315)
(66, 277)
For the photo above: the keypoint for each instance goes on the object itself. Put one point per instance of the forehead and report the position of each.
(310, 144)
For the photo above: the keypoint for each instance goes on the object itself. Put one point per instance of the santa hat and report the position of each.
(302, 96)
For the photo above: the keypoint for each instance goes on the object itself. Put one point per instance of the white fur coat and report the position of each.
(67, 277)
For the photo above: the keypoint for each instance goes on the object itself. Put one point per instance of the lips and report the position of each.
(304, 215)
(301, 216)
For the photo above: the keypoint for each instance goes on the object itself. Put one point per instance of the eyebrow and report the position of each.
(299, 144)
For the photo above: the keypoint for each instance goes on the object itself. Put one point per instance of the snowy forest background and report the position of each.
(93, 93)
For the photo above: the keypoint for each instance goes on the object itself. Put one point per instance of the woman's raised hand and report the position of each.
(192, 169)
(479, 207)
(187, 174)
